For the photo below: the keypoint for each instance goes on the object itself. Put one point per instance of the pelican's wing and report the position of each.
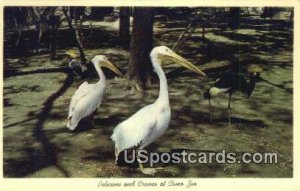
(135, 129)
(80, 93)
(84, 107)
(83, 104)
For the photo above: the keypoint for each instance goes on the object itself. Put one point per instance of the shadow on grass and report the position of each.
(46, 155)
(19, 122)
(280, 86)
(13, 73)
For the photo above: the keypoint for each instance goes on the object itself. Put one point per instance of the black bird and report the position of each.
(77, 68)
(230, 82)
(75, 64)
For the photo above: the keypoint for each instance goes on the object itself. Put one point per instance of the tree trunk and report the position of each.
(124, 29)
(53, 22)
(234, 17)
(292, 15)
(77, 17)
(140, 66)
(52, 44)
(76, 36)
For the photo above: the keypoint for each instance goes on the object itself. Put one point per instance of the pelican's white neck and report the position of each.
(163, 85)
(100, 73)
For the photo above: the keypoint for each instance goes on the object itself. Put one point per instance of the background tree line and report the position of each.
(44, 22)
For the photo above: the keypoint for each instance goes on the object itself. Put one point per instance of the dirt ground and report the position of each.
(263, 123)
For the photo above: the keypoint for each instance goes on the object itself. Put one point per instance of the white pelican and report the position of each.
(150, 122)
(88, 97)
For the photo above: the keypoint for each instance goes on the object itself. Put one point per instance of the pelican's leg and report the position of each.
(116, 155)
(229, 110)
(92, 119)
(148, 171)
(93, 123)
(210, 110)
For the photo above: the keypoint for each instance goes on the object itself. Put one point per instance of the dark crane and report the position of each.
(75, 64)
(230, 82)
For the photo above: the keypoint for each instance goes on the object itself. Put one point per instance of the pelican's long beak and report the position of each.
(110, 66)
(183, 62)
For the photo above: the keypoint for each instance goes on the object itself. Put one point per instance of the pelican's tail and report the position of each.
(71, 126)
(115, 138)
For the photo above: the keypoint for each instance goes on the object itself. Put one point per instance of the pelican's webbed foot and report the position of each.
(149, 171)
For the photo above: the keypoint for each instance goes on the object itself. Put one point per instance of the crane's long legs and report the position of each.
(210, 110)
(229, 111)
(148, 171)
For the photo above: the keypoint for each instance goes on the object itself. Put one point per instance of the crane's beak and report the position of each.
(184, 63)
(110, 66)
(71, 55)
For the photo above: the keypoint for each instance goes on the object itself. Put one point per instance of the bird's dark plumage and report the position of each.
(77, 67)
(230, 82)
(75, 64)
